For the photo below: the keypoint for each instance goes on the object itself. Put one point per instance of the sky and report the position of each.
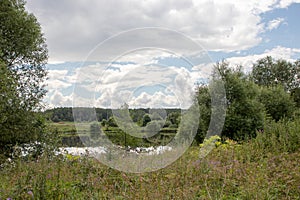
(151, 53)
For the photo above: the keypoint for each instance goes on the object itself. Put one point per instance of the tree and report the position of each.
(277, 102)
(296, 96)
(111, 122)
(244, 115)
(137, 114)
(23, 55)
(204, 101)
(95, 131)
(145, 120)
(174, 118)
(270, 72)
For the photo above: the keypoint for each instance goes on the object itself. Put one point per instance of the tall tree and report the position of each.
(244, 115)
(277, 102)
(270, 72)
(23, 55)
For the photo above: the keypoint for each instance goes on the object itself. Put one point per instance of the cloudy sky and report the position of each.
(150, 53)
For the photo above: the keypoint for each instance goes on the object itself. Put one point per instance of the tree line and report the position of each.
(271, 91)
(105, 115)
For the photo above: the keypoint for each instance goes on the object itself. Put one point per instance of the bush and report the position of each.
(282, 136)
(278, 103)
(95, 131)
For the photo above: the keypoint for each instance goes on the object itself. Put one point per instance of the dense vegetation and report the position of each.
(23, 55)
(251, 98)
(267, 167)
(64, 114)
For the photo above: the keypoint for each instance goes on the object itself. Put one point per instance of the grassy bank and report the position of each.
(264, 168)
(69, 133)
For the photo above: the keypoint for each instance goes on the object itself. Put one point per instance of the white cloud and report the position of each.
(118, 84)
(202, 71)
(59, 100)
(274, 24)
(73, 28)
(57, 74)
(57, 80)
(57, 84)
(286, 3)
(277, 53)
(97, 85)
(156, 100)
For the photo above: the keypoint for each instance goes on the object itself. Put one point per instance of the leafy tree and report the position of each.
(23, 55)
(137, 114)
(277, 102)
(167, 124)
(145, 120)
(111, 122)
(296, 96)
(204, 101)
(244, 115)
(55, 118)
(104, 123)
(270, 72)
(174, 118)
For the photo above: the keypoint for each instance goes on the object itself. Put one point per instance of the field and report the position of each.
(264, 168)
(67, 132)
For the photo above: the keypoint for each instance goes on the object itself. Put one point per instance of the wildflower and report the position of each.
(218, 143)
(30, 193)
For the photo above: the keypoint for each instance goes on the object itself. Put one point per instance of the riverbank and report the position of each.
(266, 167)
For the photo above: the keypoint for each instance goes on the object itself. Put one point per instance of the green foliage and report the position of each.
(137, 114)
(208, 144)
(104, 124)
(277, 102)
(23, 51)
(270, 72)
(244, 115)
(64, 114)
(153, 127)
(23, 55)
(277, 137)
(60, 114)
(296, 96)
(111, 122)
(167, 124)
(204, 101)
(174, 118)
(145, 120)
(95, 131)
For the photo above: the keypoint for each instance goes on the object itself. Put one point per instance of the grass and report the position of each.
(115, 134)
(66, 128)
(264, 168)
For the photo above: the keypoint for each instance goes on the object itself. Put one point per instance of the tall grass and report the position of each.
(266, 167)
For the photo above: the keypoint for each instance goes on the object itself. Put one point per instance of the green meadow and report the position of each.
(266, 167)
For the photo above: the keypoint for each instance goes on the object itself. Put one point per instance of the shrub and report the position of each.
(278, 103)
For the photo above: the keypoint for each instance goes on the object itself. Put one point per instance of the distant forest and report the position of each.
(62, 114)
